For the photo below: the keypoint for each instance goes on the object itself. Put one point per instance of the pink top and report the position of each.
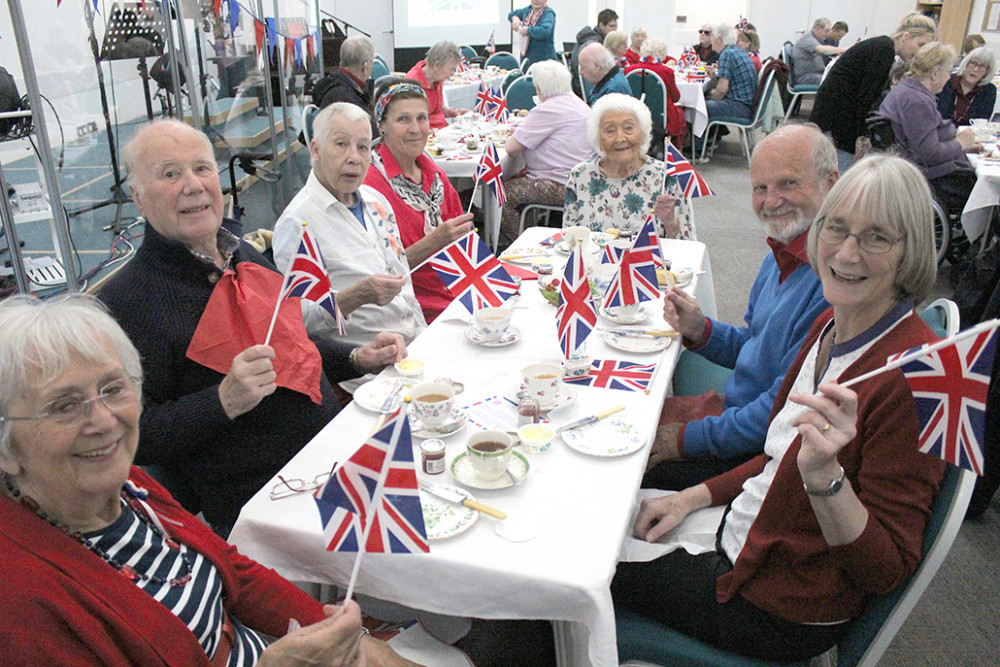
(435, 95)
(433, 296)
(554, 136)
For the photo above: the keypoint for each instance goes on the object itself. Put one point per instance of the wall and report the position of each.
(976, 16)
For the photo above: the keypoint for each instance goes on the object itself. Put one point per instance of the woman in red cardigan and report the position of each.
(654, 56)
(834, 509)
(101, 566)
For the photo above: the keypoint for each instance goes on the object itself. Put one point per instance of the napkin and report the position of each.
(696, 534)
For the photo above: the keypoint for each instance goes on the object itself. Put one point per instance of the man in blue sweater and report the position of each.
(791, 172)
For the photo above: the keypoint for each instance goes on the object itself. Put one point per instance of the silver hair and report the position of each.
(356, 52)
(323, 123)
(39, 339)
(654, 47)
(551, 78)
(443, 53)
(726, 33)
(985, 56)
(821, 23)
(622, 104)
(602, 57)
(636, 32)
(130, 152)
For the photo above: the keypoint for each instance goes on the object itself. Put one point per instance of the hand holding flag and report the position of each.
(472, 273)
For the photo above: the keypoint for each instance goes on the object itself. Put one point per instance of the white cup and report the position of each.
(492, 324)
(626, 312)
(577, 235)
(489, 453)
(978, 122)
(542, 382)
(432, 402)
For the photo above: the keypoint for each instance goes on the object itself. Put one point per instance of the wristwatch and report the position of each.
(833, 489)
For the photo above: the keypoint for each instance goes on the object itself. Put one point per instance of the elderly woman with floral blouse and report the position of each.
(623, 185)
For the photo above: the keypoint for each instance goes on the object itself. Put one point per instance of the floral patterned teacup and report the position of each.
(432, 403)
(542, 382)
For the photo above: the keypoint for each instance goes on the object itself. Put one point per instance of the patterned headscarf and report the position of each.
(386, 97)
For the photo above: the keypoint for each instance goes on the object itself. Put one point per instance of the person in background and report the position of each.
(597, 67)
(837, 32)
(616, 42)
(607, 21)
(808, 54)
(705, 48)
(791, 172)
(750, 42)
(351, 81)
(428, 212)
(926, 139)
(634, 51)
(536, 24)
(654, 53)
(623, 185)
(855, 82)
(733, 81)
(970, 93)
(552, 140)
(970, 44)
(103, 566)
(835, 508)
(431, 73)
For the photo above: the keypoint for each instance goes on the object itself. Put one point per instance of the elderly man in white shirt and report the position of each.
(355, 229)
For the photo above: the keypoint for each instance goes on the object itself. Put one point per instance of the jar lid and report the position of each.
(432, 446)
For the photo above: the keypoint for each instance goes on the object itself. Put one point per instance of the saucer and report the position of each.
(564, 397)
(456, 420)
(512, 336)
(462, 472)
(607, 437)
(637, 344)
(371, 395)
(443, 519)
(642, 315)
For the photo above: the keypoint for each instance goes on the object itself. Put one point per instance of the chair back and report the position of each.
(503, 60)
(382, 79)
(379, 69)
(648, 88)
(512, 76)
(467, 52)
(309, 112)
(380, 59)
(520, 94)
(942, 316)
(786, 55)
(765, 97)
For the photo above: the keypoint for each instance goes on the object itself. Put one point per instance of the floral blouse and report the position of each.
(600, 202)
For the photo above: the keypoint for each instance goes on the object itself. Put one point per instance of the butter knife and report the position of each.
(652, 333)
(591, 419)
(445, 493)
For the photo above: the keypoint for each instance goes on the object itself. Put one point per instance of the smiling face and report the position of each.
(176, 186)
(68, 468)
(405, 127)
(341, 161)
(620, 136)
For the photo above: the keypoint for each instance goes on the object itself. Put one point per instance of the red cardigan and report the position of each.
(786, 567)
(676, 125)
(435, 95)
(64, 606)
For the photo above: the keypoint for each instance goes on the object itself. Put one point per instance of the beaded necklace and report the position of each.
(131, 498)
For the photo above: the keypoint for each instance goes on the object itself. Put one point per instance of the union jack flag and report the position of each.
(491, 173)
(689, 57)
(307, 278)
(949, 388)
(576, 316)
(691, 183)
(612, 374)
(497, 107)
(473, 274)
(365, 481)
(649, 229)
(635, 281)
(483, 98)
(491, 44)
(612, 254)
(463, 65)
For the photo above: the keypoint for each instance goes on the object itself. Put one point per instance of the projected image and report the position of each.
(426, 13)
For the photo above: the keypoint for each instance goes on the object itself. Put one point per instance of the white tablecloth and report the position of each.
(693, 101)
(579, 504)
(463, 95)
(984, 198)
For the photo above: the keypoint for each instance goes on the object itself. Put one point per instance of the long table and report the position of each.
(578, 505)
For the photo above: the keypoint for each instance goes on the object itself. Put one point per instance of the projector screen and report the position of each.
(425, 22)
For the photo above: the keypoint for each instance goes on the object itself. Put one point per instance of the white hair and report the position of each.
(621, 104)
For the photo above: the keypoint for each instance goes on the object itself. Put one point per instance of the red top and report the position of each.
(631, 57)
(676, 125)
(430, 291)
(435, 95)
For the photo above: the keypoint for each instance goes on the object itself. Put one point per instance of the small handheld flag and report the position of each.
(483, 98)
(473, 274)
(576, 316)
(490, 172)
(689, 57)
(491, 45)
(636, 278)
(692, 184)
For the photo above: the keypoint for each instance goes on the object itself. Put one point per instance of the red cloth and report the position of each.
(435, 95)
(631, 57)
(433, 296)
(74, 609)
(676, 125)
(238, 315)
(791, 256)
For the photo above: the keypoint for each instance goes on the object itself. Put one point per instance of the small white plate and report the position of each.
(371, 395)
(637, 344)
(512, 336)
(523, 255)
(456, 420)
(564, 397)
(463, 473)
(643, 314)
(443, 519)
(608, 437)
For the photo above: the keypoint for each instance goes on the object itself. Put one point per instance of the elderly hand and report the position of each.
(515, 23)
(250, 379)
(336, 640)
(378, 289)
(967, 139)
(387, 348)
(825, 429)
(663, 208)
(681, 311)
(451, 230)
(658, 516)
(523, 30)
(665, 446)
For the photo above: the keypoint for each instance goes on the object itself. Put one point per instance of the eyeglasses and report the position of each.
(290, 487)
(115, 395)
(870, 241)
(976, 65)
(704, 32)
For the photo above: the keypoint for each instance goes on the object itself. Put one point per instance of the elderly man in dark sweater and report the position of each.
(220, 435)
(351, 82)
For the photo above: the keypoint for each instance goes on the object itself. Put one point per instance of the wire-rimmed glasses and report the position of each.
(71, 409)
(286, 488)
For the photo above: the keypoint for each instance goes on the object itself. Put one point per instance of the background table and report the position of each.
(984, 198)
(462, 94)
(580, 504)
(693, 101)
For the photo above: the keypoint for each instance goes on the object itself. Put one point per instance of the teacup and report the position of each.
(489, 453)
(600, 280)
(577, 235)
(432, 402)
(978, 122)
(542, 381)
(626, 313)
(492, 324)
